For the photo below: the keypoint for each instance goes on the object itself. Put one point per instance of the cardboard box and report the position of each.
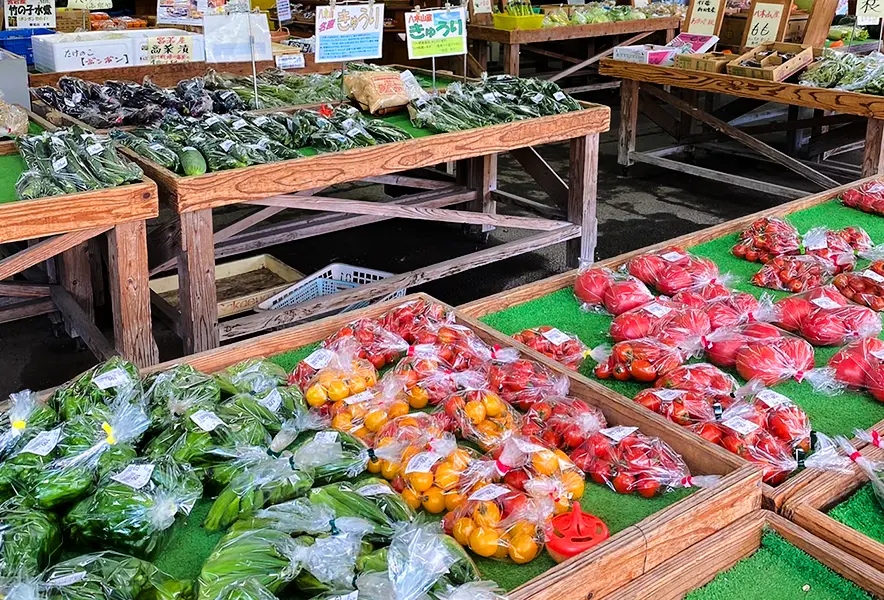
(646, 54)
(711, 62)
(69, 20)
(773, 68)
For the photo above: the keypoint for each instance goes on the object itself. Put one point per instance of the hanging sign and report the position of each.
(704, 17)
(91, 4)
(346, 32)
(436, 32)
(227, 37)
(283, 11)
(870, 9)
(165, 49)
(24, 14)
(767, 23)
(178, 12)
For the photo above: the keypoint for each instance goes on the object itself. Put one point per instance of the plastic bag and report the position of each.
(682, 407)
(643, 321)
(461, 347)
(598, 289)
(332, 455)
(271, 409)
(782, 417)
(363, 415)
(13, 120)
(99, 386)
(523, 382)
(562, 347)
(856, 366)
(562, 422)
(292, 428)
(371, 501)
(835, 246)
(723, 345)
(430, 379)
(343, 375)
(728, 310)
(31, 538)
(378, 91)
(644, 360)
(766, 238)
(24, 417)
(699, 377)
(870, 437)
(482, 417)
(865, 288)
(793, 273)
(252, 376)
(869, 197)
(479, 590)
(171, 394)
(672, 269)
(775, 360)
(377, 345)
(824, 317)
(406, 318)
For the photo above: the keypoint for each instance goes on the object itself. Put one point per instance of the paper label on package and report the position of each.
(290, 61)
(560, 95)
(238, 124)
(422, 463)
(772, 398)
(527, 447)
(224, 96)
(94, 149)
(489, 97)
(319, 358)
(668, 395)
(260, 121)
(556, 336)
(59, 163)
(271, 401)
(326, 437)
(824, 302)
(740, 425)
(157, 147)
(489, 492)
(68, 102)
(43, 443)
(214, 118)
(672, 256)
(206, 420)
(658, 310)
(111, 379)
(537, 98)
(66, 580)
(360, 397)
(135, 476)
(868, 273)
(378, 489)
(226, 145)
(617, 433)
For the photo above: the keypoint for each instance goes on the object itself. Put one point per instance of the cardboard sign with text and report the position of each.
(346, 32)
(704, 17)
(27, 14)
(431, 33)
(767, 22)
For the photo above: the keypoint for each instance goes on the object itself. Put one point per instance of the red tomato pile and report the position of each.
(643, 321)
(682, 407)
(562, 422)
(406, 318)
(672, 270)
(869, 197)
(723, 345)
(700, 377)
(430, 379)
(643, 360)
(860, 365)
(824, 317)
(775, 360)
(793, 273)
(766, 238)
(864, 287)
(377, 345)
(833, 247)
(524, 382)
(562, 347)
(460, 346)
(617, 293)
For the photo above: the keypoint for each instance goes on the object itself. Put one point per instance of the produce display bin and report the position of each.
(18, 41)
(634, 550)
(510, 22)
(551, 302)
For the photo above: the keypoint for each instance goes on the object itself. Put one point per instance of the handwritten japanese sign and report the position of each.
(99, 56)
(764, 23)
(481, 7)
(283, 11)
(436, 33)
(289, 61)
(704, 17)
(91, 4)
(164, 49)
(870, 8)
(21, 14)
(349, 32)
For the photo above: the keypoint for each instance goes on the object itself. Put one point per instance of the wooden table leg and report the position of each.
(130, 294)
(582, 188)
(511, 59)
(480, 53)
(628, 121)
(196, 282)
(76, 278)
(873, 156)
(483, 178)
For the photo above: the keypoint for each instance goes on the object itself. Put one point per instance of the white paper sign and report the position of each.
(43, 443)
(290, 61)
(703, 17)
(25, 14)
(349, 32)
(618, 433)
(489, 492)
(227, 37)
(422, 463)
(482, 7)
(283, 11)
(206, 420)
(764, 23)
(870, 9)
(556, 336)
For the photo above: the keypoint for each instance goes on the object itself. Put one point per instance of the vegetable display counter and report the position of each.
(645, 531)
(63, 227)
(514, 41)
(860, 115)
(551, 302)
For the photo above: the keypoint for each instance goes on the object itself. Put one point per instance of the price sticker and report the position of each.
(238, 124)
(226, 145)
(556, 337)
(271, 401)
(360, 397)
(43, 443)
(59, 163)
(868, 273)
(378, 489)
(111, 379)
(668, 395)
(261, 121)
(772, 398)
(527, 447)
(94, 149)
(319, 358)
(740, 425)
(672, 256)
(490, 97)
(66, 580)
(560, 95)
(656, 309)
(827, 303)
(214, 118)
(156, 147)
(135, 476)
(489, 492)
(422, 463)
(616, 434)
(206, 420)
(537, 98)
(326, 437)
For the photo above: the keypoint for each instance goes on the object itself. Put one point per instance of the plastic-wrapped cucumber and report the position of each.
(333, 455)
(273, 126)
(217, 153)
(192, 161)
(154, 151)
(30, 538)
(35, 184)
(67, 166)
(101, 158)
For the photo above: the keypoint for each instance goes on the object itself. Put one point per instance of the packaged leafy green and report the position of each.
(29, 538)
(24, 417)
(332, 455)
(270, 408)
(171, 394)
(100, 385)
(19, 471)
(252, 376)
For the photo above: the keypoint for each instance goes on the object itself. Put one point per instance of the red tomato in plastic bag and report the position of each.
(647, 267)
(856, 362)
(590, 286)
(687, 325)
(776, 360)
(701, 377)
(875, 383)
(622, 296)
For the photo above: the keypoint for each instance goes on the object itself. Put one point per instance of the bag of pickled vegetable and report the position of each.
(343, 375)
(673, 269)
(363, 415)
(108, 575)
(562, 347)
(99, 386)
(133, 508)
(376, 345)
(462, 348)
(523, 382)
(406, 318)
(253, 376)
(429, 379)
(641, 359)
(562, 422)
(602, 290)
(24, 417)
(482, 417)
(378, 92)
(29, 538)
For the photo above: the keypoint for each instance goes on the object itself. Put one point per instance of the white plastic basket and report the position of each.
(337, 277)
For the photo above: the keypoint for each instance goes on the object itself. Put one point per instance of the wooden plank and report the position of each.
(196, 276)
(76, 278)
(582, 189)
(540, 171)
(82, 323)
(597, 57)
(592, 87)
(654, 111)
(45, 250)
(421, 183)
(482, 178)
(628, 121)
(745, 139)
(167, 313)
(511, 59)
(21, 289)
(873, 156)
(821, 143)
(551, 54)
(573, 32)
(130, 293)
(789, 126)
(822, 12)
(27, 309)
(849, 540)
(544, 209)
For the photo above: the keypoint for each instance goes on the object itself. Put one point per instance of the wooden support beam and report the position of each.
(650, 108)
(76, 278)
(45, 250)
(772, 153)
(539, 170)
(27, 309)
(873, 157)
(82, 323)
(820, 142)
(582, 188)
(777, 127)
(549, 53)
(16, 289)
(592, 87)
(261, 321)
(628, 121)
(167, 313)
(482, 178)
(198, 297)
(597, 57)
(511, 59)
(420, 183)
(544, 209)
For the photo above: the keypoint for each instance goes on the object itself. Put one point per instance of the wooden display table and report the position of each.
(512, 42)
(63, 227)
(297, 184)
(860, 116)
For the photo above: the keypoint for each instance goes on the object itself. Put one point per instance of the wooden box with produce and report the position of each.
(713, 62)
(552, 303)
(773, 61)
(760, 556)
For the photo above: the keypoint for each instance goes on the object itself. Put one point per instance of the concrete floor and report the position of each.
(647, 206)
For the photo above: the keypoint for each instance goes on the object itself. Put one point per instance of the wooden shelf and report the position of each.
(570, 32)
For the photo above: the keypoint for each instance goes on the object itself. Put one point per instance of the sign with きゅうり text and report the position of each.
(346, 32)
(436, 32)
(25, 14)
(165, 49)
(766, 23)
(704, 17)
(870, 9)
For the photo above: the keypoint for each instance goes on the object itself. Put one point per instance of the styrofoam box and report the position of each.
(90, 50)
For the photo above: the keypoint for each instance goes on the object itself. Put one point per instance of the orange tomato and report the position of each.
(475, 411)
(460, 459)
(523, 549)
(374, 466)
(545, 462)
(454, 500)
(398, 409)
(375, 420)
(493, 404)
(486, 514)
(337, 390)
(418, 397)
(316, 396)
(356, 384)
(483, 541)
(420, 482)
(433, 500)
(342, 422)
(389, 470)
(446, 477)
(463, 527)
(412, 498)
(574, 484)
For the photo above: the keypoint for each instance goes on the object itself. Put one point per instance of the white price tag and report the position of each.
(214, 119)
(94, 149)
(672, 256)
(360, 397)
(537, 98)
(238, 124)
(59, 163)
(326, 437)
(43, 443)
(489, 492)
(489, 96)
(68, 102)
(348, 124)
(422, 463)
(111, 379)
(378, 489)
(66, 580)
(772, 398)
(206, 420)
(816, 242)
(260, 120)
(616, 434)
(76, 97)
(271, 401)
(319, 358)
(156, 147)
(740, 425)
(658, 310)
(226, 145)
(135, 476)
(668, 395)
(869, 274)
(556, 337)
(290, 61)
(826, 303)
(526, 446)
(560, 95)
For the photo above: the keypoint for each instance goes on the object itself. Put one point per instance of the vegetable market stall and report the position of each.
(551, 302)
(61, 227)
(647, 533)
(859, 115)
(595, 35)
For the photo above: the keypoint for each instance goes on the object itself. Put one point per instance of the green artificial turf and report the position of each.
(862, 512)
(11, 166)
(189, 544)
(782, 571)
